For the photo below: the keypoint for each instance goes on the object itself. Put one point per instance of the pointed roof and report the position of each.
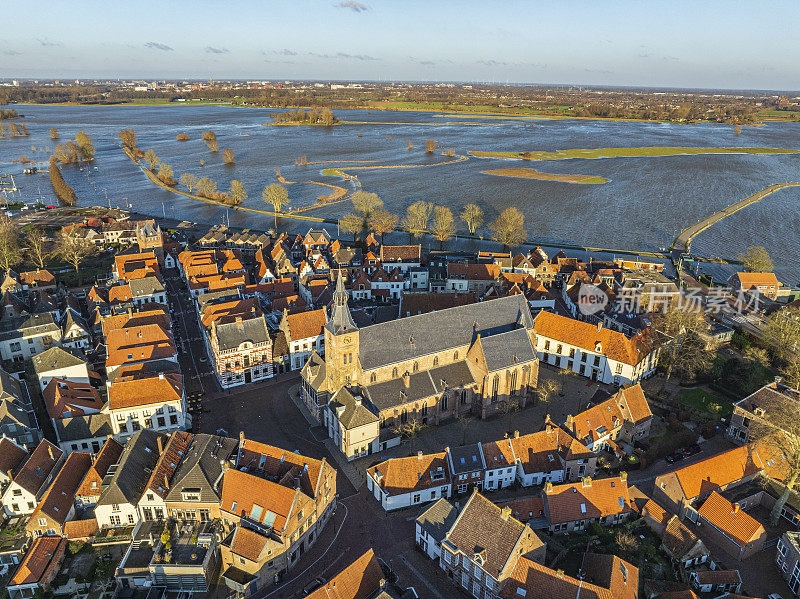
(341, 320)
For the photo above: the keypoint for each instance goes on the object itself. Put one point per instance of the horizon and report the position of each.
(714, 46)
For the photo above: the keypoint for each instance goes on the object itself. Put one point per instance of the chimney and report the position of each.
(419, 455)
(406, 379)
(516, 434)
(160, 445)
(569, 422)
(548, 488)
(166, 482)
(586, 482)
(239, 321)
(736, 508)
(599, 326)
(623, 476)
(50, 451)
(161, 376)
(241, 438)
(505, 513)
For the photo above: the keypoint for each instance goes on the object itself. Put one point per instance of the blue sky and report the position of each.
(705, 43)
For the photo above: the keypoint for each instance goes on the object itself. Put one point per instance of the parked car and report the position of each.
(693, 449)
(675, 457)
(313, 586)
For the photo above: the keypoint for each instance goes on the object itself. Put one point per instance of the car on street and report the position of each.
(693, 449)
(313, 586)
(675, 457)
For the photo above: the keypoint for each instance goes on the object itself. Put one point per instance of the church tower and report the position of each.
(341, 341)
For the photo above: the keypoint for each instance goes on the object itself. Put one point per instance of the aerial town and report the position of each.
(259, 415)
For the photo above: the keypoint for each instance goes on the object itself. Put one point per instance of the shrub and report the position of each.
(182, 137)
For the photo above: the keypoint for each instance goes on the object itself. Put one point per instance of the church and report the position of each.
(376, 380)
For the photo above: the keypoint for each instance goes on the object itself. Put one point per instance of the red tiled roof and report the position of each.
(404, 475)
(41, 558)
(732, 520)
(306, 324)
(359, 580)
(58, 499)
(129, 392)
(145, 342)
(602, 497)
(64, 398)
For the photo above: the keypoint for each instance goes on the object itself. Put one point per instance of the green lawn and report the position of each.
(706, 401)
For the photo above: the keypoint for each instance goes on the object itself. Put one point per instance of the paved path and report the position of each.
(683, 241)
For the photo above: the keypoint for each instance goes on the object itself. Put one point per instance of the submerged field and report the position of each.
(626, 153)
(529, 173)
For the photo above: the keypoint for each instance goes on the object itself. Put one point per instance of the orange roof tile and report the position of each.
(538, 581)
(42, 557)
(248, 543)
(64, 398)
(58, 499)
(137, 344)
(498, 454)
(168, 462)
(81, 529)
(306, 324)
(612, 344)
(279, 461)
(127, 393)
(107, 456)
(716, 471)
(359, 580)
(732, 520)
(627, 405)
(156, 316)
(525, 509)
(225, 312)
(395, 253)
(534, 450)
(38, 465)
(602, 497)
(404, 475)
(137, 266)
(11, 455)
(242, 491)
(656, 512)
(751, 280)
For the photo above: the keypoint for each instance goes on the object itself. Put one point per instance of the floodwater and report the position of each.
(646, 203)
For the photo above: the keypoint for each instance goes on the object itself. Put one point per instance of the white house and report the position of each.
(117, 505)
(156, 402)
(432, 526)
(29, 336)
(76, 332)
(402, 482)
(594, 351)
(32, 479)
(61, 362)
(354, 429)
(501, 464)
(304, 334)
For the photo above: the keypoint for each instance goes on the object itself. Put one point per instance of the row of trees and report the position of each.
(73, 151)
(36, 247)
(423, 218)
(66, 195)
(207, 188)
(14, 129)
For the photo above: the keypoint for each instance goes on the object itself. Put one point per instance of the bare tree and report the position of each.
(683, 351)
(382, 221)
(213, 145)
(237, 193)
(151, 158)
(276, 195)
(189, 180)
(778, 438)
(128, 138)
(85, 144)
(165, 173)
(756, 259)
(74, 250)
(182, 137)
(351, 223)
(228, 156)
(472, 215)
(416, 218)
(548, 389)
(10, 246)
(410, 430)
(791, 373)
(206, 187)
(430, 146)
(509, 228)
(365, 202)
(54, 133)
(443, 224)
(36, 245)
(782, 333)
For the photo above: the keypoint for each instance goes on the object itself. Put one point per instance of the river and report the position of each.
(645, 204)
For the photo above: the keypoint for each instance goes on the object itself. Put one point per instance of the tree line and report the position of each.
(312, 117)
(424, 218)
(66, 195)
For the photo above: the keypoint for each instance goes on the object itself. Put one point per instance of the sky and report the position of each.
(727, 44)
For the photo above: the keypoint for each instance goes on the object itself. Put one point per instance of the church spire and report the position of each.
(341, 321)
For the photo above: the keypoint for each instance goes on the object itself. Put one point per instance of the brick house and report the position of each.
(727, 525)
(57, 507)
(551, 455)
(91, 486)
(764, 284)
(32, 479)
(572, 507)
(754, 409)
(241, 351)
(614, 424)
(38, 568)
(304, 333)
(482, 547)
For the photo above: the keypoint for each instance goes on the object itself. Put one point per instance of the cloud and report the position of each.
(670, 58)
(286, 52)
(354, 6)
(11, 53)
(427, 63)
(213, 50)
(157, 46)
(363, 57)
(600, 71)
(492, 63)
(47, 43)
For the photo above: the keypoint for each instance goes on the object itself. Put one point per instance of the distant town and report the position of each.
(197, 410)
(650, 104)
